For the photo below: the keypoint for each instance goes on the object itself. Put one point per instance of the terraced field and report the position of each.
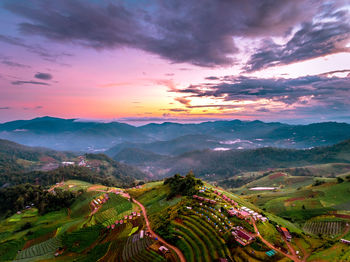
(47, 247)
(81, 239)
(198, 239)
(134, 246)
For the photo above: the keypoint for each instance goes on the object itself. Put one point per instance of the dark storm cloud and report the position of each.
(29, 82)
(43, 76)
(197, 32)
(311, 41)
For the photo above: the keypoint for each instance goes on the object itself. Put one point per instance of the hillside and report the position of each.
(135, 156)
(23, 164)
(175, 146)
(198, 223)
(215, 165)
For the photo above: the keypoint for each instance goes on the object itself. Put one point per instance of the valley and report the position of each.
(257, 204)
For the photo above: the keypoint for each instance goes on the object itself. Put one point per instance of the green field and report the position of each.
(201, 232)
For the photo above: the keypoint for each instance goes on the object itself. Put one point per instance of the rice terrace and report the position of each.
(175, 131)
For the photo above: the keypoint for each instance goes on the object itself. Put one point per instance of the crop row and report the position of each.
(323, 227)
(134, 245)
(46, 247)
(199, 240)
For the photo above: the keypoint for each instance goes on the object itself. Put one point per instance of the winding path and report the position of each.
(293, 257)
(175, 249)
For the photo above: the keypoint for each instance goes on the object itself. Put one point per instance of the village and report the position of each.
(217, 208)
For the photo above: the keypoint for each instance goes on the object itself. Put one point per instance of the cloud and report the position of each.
(304, 95)
(14, 64)
(312, 40)
(5, 108)
(183, 100)
(330, 73)
(36, 49)
(177, 110)
(29, 82)
(32, 108)
(212, 78)
(43, 76)
(202, 33)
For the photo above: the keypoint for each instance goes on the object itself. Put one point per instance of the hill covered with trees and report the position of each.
(21, 164)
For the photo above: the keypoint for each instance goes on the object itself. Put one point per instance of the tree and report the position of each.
(340, 180)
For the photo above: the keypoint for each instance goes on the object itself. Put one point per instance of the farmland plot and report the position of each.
(47, 247)
(330, 228)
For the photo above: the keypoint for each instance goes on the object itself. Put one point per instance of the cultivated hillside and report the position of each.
(192, 220)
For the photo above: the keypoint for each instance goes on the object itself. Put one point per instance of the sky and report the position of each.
(175, 60)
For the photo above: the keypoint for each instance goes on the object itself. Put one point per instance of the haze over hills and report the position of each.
(23, 164)
(75, 135)
(214, 165)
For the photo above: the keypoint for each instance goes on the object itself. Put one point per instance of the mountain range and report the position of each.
(169, 138)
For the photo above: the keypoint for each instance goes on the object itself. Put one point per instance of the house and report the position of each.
(65, 163)
(232, 211)
(142, 233)
(163, 250)
(345, 241)
(286, 233)
(243, 214)
(242, 236)
(246, 236)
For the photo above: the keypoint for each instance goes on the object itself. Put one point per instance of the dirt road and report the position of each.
(292, 256)
(175, 249)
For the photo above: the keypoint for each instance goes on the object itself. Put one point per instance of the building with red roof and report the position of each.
(286, 233)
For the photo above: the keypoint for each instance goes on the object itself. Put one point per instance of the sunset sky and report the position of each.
(181, 60)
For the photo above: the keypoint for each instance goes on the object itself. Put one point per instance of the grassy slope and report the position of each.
(83, 237)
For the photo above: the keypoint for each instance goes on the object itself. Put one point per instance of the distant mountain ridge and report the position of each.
(75, 135)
